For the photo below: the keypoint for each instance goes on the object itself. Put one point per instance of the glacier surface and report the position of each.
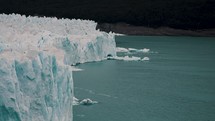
(36, 55)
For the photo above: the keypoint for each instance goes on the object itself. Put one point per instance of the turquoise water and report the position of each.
(176, 84)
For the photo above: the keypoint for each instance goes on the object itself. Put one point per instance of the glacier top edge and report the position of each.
(71, 41)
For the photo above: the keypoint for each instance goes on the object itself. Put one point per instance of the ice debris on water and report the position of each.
(132, 50)
(86, 101)
(75, 101)
(145, 59)
(121, 49)
(127, 58)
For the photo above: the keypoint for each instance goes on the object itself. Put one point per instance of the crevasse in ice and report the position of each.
(35, 56)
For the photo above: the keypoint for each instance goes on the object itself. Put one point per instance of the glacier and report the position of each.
(36, 54)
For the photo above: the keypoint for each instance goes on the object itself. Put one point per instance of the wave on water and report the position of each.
(94, 93)
(80, 115)
(106, 95)
(86, 90)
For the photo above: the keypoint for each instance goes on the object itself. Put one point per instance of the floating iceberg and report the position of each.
(121, 49)
(35, 56)
(145, 59)
(127, 58)
(88, 101)
(132, 50)
(145, 50)
(75, 101)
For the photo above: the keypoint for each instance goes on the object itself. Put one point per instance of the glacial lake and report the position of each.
(176, 84)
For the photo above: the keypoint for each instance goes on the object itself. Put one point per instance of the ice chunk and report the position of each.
(145, 50)
(126, 58)
(75, 101)
(145, 59)
(132, 50)
(87, 101)
(121, 49)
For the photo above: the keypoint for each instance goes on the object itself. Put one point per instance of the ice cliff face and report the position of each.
(35, 90)
(35, 56)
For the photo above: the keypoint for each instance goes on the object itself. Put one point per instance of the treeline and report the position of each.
(183, 14)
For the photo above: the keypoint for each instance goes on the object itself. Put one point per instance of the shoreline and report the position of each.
(123, 28)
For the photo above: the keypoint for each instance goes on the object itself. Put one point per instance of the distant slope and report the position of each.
(183, 14)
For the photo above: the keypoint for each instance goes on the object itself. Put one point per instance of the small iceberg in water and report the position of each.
(145, 50)
(132, 50)
(75, 101)
(145, 59)
(121, 49)
(127, 58)
(86, 101)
